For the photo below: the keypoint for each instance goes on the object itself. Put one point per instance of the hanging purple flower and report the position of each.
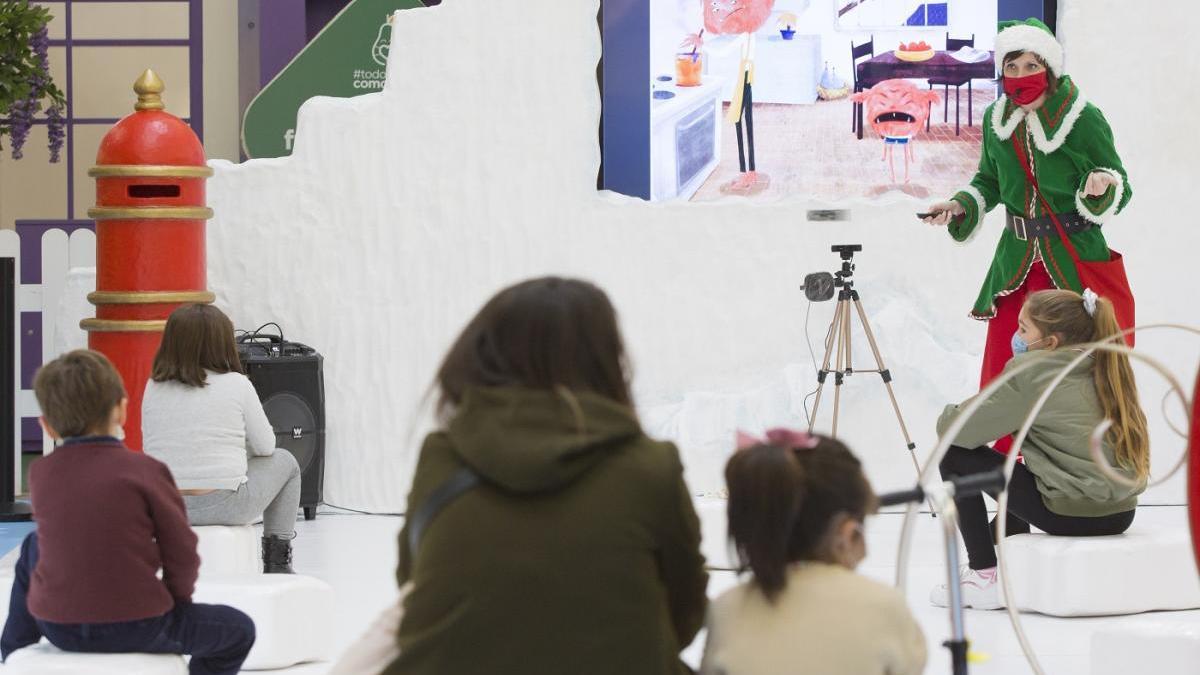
(20, 120)
(25, 81)
(56, 131)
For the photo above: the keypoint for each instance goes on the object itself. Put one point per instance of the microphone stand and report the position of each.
(941, 495)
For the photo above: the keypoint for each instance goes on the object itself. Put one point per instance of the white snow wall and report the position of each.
(401, 212)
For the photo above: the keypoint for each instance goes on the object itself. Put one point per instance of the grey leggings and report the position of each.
(272, 491)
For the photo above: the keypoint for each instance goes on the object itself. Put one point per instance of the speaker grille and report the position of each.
(295, 426)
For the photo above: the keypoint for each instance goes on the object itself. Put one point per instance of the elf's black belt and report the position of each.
(1030, 228)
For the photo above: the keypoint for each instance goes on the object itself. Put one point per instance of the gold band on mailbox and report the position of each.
(149, 297)
(150, 213)
(122, 326)
(149, 171)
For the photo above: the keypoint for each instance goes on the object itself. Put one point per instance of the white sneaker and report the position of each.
(977, 591)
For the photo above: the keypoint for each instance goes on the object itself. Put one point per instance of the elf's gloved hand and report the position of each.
(944, 213)
(1098, 183)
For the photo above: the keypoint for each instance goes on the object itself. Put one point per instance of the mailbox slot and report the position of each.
(153, 191)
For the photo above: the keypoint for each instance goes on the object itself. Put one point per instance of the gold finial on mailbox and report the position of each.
(149, 88)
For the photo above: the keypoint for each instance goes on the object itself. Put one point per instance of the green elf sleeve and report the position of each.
(1101, 153)
(977, 197)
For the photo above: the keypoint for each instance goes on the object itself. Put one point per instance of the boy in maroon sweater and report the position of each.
(107, 520)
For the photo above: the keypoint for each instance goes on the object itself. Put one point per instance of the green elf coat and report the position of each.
(1067, 139)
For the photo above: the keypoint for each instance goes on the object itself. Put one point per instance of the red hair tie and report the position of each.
(779, 436)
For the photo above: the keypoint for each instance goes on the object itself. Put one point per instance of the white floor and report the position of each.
(357, 555)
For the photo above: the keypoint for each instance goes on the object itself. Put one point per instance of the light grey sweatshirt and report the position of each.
(204, 434)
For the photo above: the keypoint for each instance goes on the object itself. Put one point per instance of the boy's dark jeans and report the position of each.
(218, 637)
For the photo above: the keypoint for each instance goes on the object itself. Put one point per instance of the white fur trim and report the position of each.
(1026, 38)
(1005, 130)
(1049, 145)
(1110, 211)
(981, 209)
(979, 200)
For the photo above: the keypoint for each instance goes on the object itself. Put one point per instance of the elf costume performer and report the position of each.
(1070, 149)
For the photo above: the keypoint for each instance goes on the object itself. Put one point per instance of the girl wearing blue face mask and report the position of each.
(1059, 489)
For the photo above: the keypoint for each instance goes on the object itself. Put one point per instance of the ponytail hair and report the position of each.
(1063, 313)
(783, 500)
(1119, 396)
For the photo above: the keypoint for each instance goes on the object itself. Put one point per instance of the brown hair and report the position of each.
(77, 393)
(546, 333)
(197, 338)
(1052, 80)
(783, 502)
(1062, 313)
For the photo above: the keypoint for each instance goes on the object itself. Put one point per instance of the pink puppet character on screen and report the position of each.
(741, 17)
(897, 110)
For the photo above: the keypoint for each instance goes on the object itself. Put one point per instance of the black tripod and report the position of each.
(839, 334)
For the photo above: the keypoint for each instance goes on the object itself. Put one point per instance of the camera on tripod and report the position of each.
(839, 351)
(820, 286)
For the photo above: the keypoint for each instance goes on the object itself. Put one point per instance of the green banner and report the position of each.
(347, 58)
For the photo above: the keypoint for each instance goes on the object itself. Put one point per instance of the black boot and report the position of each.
(277, 555)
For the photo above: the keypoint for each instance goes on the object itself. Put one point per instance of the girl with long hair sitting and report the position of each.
(1059, 489)
(578, 550)
(202, 418)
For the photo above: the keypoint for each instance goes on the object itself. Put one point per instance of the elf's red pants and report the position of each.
(998, 351)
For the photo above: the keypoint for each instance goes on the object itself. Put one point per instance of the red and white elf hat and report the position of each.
(1029, 35)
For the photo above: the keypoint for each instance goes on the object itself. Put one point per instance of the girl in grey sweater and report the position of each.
(202, 418)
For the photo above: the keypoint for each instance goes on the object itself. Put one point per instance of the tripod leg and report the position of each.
(830, 338)
(846, 336)
(887, 381)
(843, 338)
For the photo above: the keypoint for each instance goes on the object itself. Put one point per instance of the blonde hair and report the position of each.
(1062, 313)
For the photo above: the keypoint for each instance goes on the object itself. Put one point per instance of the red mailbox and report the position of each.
(150, 247)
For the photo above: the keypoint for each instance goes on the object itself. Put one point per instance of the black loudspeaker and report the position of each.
(289, 380)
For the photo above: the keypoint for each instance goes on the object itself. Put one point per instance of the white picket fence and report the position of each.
(60, 254)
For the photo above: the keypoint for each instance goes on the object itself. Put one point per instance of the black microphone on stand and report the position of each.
(941, 493)
(976, 482)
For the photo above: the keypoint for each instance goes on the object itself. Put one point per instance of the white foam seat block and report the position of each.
(1142, 570)
(1162, 647)
(714, 539)
(292, 615)
(226, 550)
(46, 659)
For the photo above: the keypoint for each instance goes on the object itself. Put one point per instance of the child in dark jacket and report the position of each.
(108, 519)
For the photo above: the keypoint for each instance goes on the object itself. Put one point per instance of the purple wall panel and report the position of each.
(286, 37)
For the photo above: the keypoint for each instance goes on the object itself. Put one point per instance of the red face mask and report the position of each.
(1026, 90)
